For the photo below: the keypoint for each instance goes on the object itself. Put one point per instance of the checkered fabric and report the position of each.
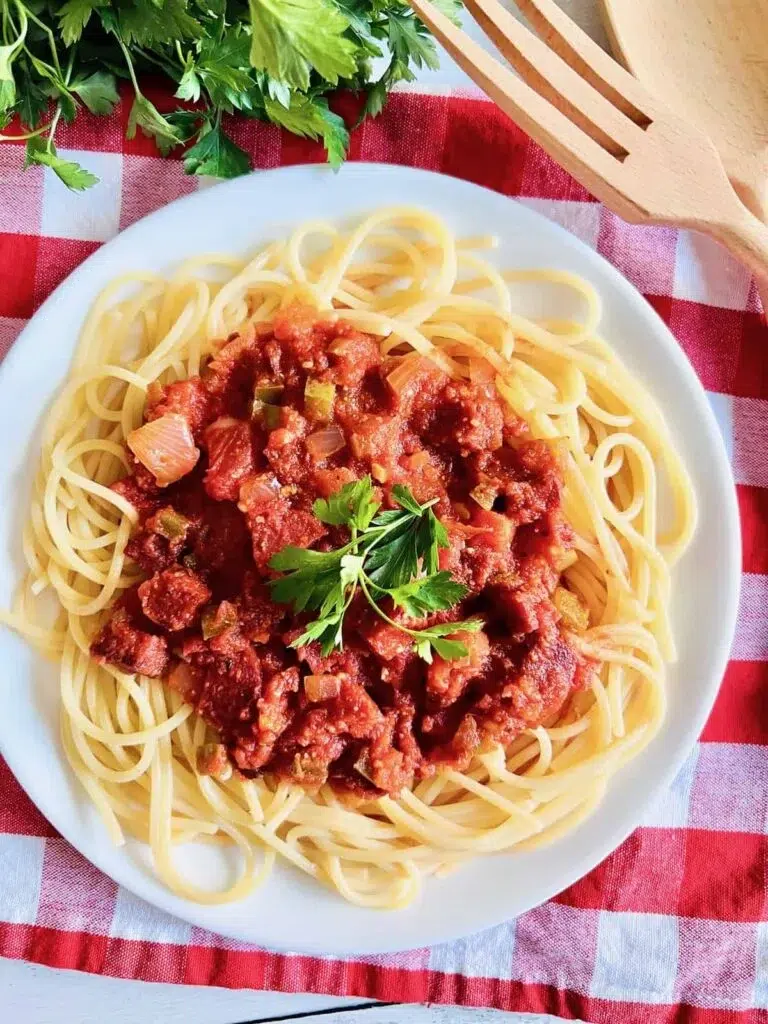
(674, 925)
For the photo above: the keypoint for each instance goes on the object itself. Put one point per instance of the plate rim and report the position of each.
(194, 913)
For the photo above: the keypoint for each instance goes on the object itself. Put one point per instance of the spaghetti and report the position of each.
(402, 277)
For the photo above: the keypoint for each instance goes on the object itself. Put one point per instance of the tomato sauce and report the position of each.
(373, 717)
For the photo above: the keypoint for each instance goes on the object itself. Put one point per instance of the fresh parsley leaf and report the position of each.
(412, 543)
(351, 569)
(97, 91)
(190, 85)
(278, 91)
(74, 15)
(216, 154)
(450, 8)
(186, 123)
(354, 505)
(33, 100)
(149, 23)
(375, 99)
(406, 500)
(73, 175)
(433, 637)
(311, 576)
(384, 558)
(428, 594)
(146, 116)
(410, 41)
(424, 650)
(7, 81)
(312, 118)
(289, 38)
(449, 650)
(327, 631)
(395, 561)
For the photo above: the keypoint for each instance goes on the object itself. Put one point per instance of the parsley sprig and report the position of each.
(390, 554)
(276, 60)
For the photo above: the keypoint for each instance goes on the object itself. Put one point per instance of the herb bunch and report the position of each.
(390, 554)
(275, 60)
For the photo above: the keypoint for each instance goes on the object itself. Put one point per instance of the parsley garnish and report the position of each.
(391, 554)
(276, 60)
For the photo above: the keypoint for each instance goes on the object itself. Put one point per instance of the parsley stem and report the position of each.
(364, 580)
(52, 127)
(129, 64)
(27, 135)
(28, 13)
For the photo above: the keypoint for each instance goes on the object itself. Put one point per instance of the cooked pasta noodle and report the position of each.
(400, 275)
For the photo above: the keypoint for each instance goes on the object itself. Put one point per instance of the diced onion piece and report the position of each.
(405, 371)
(258, 490)
(165, 447)
(324, 443)
(319, 396)
(485, 495)
(268, 393)
(322, 687)
(363, 765)
(216, 621)
(379, 472)
(171, 524)
(572, 609)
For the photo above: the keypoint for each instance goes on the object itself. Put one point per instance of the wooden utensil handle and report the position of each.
(747, 238)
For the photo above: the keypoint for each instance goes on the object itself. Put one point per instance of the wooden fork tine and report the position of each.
(550, 75)
(571, 147)
(589, 59)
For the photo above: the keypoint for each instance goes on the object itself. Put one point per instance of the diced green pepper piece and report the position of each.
(268, 415)
(319, 396)
(216, 621)
(171, 524)
(269, 394)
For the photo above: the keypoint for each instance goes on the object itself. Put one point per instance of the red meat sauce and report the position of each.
(376, 717)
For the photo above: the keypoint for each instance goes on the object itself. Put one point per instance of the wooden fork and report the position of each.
(597, 121)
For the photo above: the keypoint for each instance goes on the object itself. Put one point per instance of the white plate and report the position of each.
(291, 911)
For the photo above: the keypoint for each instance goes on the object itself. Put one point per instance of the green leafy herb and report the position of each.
(72, 174)
(312, 118)
(97, 91)
(392, 554)
(216, 154)
(146, 116)
(290, 38)
(276, 60)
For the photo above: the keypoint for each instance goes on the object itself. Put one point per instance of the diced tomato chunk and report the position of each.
(230, 457)
(133, 650)
(188, 398)
(447, 680)
(352, 357)
(280, 526)
(173, 598)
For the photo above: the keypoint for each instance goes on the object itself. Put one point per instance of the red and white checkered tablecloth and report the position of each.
(673, 926)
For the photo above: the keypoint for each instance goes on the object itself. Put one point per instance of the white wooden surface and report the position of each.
(39, 995)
